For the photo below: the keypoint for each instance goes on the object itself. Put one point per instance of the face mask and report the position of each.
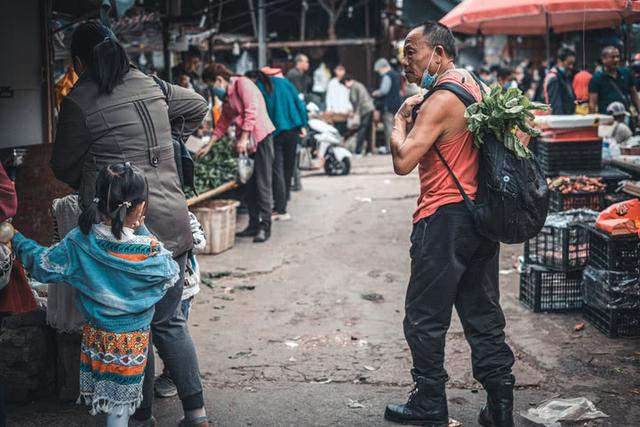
(429, 79)
(219, 92)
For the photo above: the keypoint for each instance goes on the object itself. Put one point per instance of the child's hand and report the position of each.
(139, 223)
(6, 232)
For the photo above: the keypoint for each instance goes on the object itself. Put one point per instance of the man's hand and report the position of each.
(242, 143)
(404, 113)
(303, 132)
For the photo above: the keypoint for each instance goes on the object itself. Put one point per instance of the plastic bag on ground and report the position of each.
(552, 413)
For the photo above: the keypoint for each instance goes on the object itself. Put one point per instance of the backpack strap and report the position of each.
(467, 99)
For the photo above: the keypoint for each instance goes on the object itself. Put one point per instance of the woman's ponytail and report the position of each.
(88, 217)
(101, 54)
(109, 64)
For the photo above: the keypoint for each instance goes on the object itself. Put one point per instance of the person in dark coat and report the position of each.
(558, 85)
(388, 94)
(116, 113)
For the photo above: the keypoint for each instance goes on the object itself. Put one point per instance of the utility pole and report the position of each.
(262, 34)
(254, 24)
(303, 19)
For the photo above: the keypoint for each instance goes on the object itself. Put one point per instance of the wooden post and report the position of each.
(303, 19)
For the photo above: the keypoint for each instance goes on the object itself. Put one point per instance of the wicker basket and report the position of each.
(218, 219)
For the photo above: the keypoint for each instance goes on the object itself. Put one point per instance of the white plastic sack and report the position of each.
(245, 168)
(552, 412)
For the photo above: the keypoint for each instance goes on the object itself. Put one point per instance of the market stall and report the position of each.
(587, 256)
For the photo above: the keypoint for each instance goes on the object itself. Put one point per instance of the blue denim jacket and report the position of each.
(116, 294)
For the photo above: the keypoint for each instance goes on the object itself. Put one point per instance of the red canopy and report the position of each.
(527, 17)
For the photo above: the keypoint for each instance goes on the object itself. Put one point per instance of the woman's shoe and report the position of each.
(250, 231)
(264, 232)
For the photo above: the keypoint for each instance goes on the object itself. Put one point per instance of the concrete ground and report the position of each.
(285, 337)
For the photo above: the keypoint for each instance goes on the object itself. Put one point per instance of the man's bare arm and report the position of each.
(635, 98)
(593, 103)
(408, 146)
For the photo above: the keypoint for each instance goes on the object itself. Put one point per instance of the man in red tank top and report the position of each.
(451, 264)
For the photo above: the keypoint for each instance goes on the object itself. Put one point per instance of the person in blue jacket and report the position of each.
(289, 116)
(120, 271)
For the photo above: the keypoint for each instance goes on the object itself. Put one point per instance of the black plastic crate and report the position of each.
(614, 253)
(570, 155)
(613, 198)
(545, 290)
(559, 202)
(609, 175)
(613, 323)
(562, 244)
(611, 289)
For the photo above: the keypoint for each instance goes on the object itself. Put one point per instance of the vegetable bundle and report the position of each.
(576, 184)
(503, 112)
(217, 167)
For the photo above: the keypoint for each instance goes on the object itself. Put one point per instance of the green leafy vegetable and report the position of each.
(502, 113)
(217, 167)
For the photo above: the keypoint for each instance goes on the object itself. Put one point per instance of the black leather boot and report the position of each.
(427, 405)
(498, 412)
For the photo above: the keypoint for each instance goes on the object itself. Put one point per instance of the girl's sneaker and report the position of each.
(164, 386)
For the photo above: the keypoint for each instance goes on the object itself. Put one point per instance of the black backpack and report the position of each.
(512, 200)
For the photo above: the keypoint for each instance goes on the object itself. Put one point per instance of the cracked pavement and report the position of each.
(300, 346)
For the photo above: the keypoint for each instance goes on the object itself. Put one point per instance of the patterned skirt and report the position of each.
(112, 369)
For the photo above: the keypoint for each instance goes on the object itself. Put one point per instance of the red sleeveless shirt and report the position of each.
(437, 188)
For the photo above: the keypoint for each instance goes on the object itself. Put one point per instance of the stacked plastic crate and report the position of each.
(610, 286)
(570, 146)
(551, 274)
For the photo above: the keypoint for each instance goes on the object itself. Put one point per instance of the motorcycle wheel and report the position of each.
(333, 167)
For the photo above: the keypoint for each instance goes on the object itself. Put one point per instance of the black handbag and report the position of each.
(184, 162)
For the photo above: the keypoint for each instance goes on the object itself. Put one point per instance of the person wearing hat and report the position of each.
(388, 95)
(620, 132)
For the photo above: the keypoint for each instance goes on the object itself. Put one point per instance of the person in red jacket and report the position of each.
(16, 296)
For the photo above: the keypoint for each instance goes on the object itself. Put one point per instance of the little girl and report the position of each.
(120, 272)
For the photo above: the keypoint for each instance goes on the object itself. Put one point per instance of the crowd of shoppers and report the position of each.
(570, 91)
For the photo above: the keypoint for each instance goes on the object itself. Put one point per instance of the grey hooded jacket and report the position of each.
(134, 124)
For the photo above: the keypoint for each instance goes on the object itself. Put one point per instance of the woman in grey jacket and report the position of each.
(116, 113)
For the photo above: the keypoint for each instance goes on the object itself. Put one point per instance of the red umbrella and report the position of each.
(530, 17)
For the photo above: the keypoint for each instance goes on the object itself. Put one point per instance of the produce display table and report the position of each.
(628, 163)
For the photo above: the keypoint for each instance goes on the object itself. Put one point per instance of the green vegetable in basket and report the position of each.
(503, 112)
(217, 167)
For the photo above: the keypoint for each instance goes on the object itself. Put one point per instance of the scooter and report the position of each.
(324, 145)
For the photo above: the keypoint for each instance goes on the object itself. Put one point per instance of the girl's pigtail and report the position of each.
(117, 220)
(88, 217)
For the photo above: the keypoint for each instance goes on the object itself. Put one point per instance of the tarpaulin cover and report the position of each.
(570, 218)
(529, 17)
(620, 218)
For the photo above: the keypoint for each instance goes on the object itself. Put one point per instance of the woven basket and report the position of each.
(218, 219)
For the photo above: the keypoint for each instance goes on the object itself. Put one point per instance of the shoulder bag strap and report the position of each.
(625, 98)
